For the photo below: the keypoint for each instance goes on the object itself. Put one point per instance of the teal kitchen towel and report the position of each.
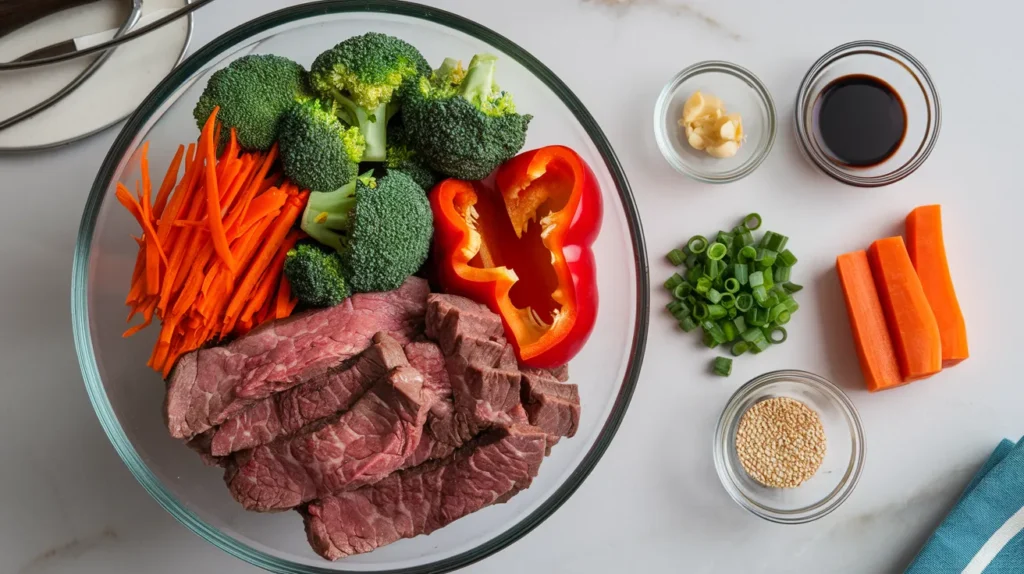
(984, 533)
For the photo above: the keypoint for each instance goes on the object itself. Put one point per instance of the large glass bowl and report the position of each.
(127, 396)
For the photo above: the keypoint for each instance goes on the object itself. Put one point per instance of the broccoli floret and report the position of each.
(318, 152)
(461, 123)
(382, 229)
(253, 92)
(364, 75)
(315, 275)
(402, 157)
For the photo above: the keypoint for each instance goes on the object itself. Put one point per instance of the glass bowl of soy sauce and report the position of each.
(867, 114)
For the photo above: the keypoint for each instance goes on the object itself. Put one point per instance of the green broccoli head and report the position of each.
(253, 92)
(461, 123)
(363, 75)
(382, 229)
(318, 152)
(402, 157)
(315, 275)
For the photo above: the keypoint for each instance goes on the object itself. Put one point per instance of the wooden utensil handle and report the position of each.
(17, 13)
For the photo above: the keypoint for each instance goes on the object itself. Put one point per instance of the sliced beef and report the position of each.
(427, 358)
(449, 316)
(365, 444)
(560, 374)
(323, 396)
(209, 386)
(420, 500)
(552, 406)
(202, 445)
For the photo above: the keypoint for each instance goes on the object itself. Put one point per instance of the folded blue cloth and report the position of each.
(984, 533)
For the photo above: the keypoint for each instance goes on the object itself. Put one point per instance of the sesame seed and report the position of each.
(780, 442)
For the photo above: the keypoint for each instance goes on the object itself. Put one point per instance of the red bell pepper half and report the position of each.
(524, 250)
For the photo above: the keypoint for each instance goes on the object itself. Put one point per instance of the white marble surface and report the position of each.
(653, 504)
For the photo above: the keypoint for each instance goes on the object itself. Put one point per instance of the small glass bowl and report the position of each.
(743, 93)
(839, 472)
(910, 80)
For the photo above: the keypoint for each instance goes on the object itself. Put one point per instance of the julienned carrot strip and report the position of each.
(217, 235)
(255, 187)
(284, 297)
(168, 183)
(285, 221)
(912, 325)
(270, 278)
(132, 205)
(927, 250)
(181, 193)
(867, 322)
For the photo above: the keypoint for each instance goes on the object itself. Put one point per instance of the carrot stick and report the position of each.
(182, 192)
(168, 183)
(220, 240)
(928, 253)
(284, 297)
(255, 187)
(912, 325)
(293, 208)
(867, 322)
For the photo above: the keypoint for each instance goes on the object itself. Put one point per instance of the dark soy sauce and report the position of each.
(861, 120)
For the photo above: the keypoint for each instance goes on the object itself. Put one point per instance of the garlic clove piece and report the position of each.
(723, 150)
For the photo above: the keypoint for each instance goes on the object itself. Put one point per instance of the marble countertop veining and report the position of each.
(653, 504)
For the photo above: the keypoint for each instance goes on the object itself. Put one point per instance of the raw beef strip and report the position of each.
(365, 444)
(323, 396)
(209, 386)
(420, 500)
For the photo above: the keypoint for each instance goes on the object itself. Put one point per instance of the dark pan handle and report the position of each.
(17, 13)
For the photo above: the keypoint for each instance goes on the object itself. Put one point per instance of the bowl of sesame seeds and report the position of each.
(789, 447)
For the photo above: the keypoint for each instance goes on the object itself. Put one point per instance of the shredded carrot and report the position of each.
(213, 241)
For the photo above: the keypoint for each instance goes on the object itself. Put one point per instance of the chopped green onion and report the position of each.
(728, 300)
(700, 311)
(709, 341)
(787, 258)
(692, 260)
(777, 339)
(713, 295)
(717, 251)
(716, 332)
(756, 279)
(694, 274)
(774, 241)
(739, 347)
(730, 331)
(760, 346)
(703, 285)
(680, 310)
(752, 222)
(752, 334)
(741, 273)
(732, 284)
(732, 312)
(744, 302)
(715, 268)
(781, 274)
(791, 305)
(676, 257)
(742, 236)
(716, 312)
(748, 253)
(775, 311)
(791, 287)
(758, 317)
(765, 258)
(697, 244)
(674, 280)
(769, 277)
(725, 238)
(687, 324)
(722, 366)
(691, 301)
(682, 290)
(760, 295)
(783, 317)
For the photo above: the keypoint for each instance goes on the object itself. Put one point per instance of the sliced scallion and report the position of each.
(676, 257)
(787, 258)
(778, 335)
(752, 222)
(716, 251)
(674, 280)
(722, 366)
(739, 347)
(732, 284)
(697, 244)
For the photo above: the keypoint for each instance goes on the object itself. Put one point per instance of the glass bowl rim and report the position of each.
(730, 415)
(694, 70)
(215, 48)
(908, 62)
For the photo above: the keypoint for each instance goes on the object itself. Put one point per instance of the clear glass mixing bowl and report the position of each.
(127, 396)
